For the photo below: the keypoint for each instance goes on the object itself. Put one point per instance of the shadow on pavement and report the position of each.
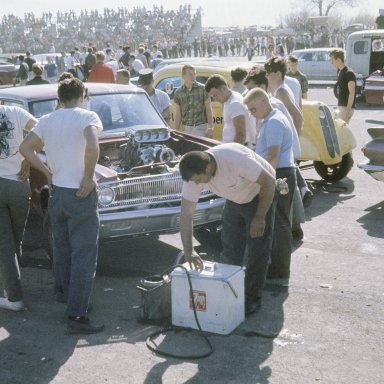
(372, 221)
(327, 195)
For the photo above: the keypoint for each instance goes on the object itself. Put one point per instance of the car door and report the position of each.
(322, 69)
(305, 63)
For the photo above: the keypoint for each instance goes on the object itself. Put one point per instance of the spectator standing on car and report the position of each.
(22, 73)
(292, 62)
(193, 105)
(100, 72)
(50, 70)
(238, 75)
(274, 144)
(346, 85)
(247, 182)
(159, 98)
(237, 126)
(30, 63)
(37, 70)
(69, 136)
(14, 201)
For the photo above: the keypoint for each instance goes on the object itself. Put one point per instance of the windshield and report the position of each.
(116, 111)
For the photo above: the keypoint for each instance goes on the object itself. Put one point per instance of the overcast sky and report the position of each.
(215, 12)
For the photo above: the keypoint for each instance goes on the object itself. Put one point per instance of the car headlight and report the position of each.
(106, 196)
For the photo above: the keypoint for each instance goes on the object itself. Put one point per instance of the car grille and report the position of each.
(145, 191)
(329, 131)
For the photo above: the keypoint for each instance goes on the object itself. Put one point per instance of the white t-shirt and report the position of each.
(232, 108)
(235, 179)
(62, 133)
(114, 65)
(137, 65)
(276, 103)
(12, 122)
(160, 100)
(295, 87)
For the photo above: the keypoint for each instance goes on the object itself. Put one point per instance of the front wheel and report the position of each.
(334, 172)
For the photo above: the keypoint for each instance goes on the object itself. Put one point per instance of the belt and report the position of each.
(194, 125)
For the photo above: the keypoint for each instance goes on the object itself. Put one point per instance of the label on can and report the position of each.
(200, 299)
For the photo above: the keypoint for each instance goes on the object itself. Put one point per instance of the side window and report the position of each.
(360, 47)
(378, 45)
(12, 103)
(307, 57)
(169, 85)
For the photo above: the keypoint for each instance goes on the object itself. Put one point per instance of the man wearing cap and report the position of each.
(159, 98)
(193, 105)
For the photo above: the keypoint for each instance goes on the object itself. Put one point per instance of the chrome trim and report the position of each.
(145, 191)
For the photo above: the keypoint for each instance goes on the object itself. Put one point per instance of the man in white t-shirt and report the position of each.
(159, 98)
(237, 125)
(70, 138)
(247, 182)
(14, 201)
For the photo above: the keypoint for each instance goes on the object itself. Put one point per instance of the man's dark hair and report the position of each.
(276, 64)
(193, 163)
(337, 54)
(126, 48)
(132, 56)
(70, 89)
(259, 77)
(238, 74)
(215, 81)
(90, 50)
(21, 57)
(65, 75)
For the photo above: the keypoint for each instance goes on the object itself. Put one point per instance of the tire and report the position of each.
(209, 236)
(47, 236)
(335, 172)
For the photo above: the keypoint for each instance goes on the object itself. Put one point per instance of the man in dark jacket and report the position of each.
(38, 71)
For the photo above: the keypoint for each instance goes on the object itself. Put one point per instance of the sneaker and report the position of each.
(307, 198)
(5, 303)
(82, 325)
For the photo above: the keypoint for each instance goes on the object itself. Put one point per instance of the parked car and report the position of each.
(374, 151)
(139, 185)
(7, 73)
(325, 140)
(315, 63)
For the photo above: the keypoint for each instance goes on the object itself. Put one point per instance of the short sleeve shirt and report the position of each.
(302, 80)
(62, 133)
(192, 104)
(160, 100)
(232, 108)
(275, 131)
(12, 122)
(345, 76)
(235, 179)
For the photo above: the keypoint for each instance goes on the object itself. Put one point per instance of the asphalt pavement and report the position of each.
(325, 326)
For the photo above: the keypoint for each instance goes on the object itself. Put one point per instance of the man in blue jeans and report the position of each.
(247, 182)
(70, 139)
(14, 201)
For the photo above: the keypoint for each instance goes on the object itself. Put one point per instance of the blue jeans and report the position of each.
(14, 208)
(282, 233)
(235, 237)
(75, 227)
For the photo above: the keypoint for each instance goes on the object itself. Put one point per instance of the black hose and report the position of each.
(150, 338)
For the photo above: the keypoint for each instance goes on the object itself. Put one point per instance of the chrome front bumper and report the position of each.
(376, 171)
(157, 220)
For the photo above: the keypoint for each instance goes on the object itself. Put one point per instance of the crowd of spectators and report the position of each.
(171, 30)
(66, 30)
